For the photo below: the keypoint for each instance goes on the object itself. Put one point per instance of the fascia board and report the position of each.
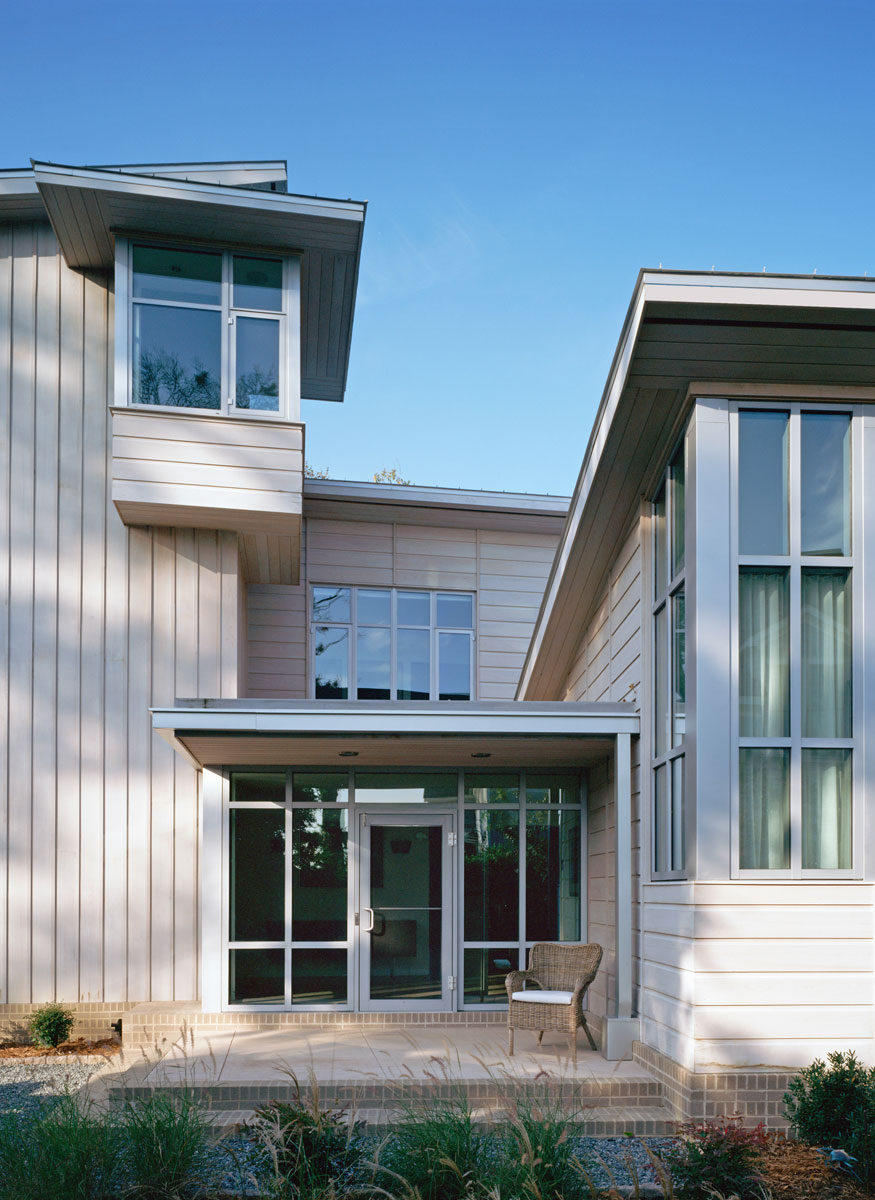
(411, 494)
(18, 183)
(233, 197)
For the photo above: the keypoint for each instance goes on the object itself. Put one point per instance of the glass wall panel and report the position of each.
(319, 976)
(553, 875)
(763, 493)
(331, 604)
(827, 685)
(826, 809)
(414, 608)
(660, 673)
(826, 483)
(332, 662)
(491, 874)
(678, 667)
(419, 787)
(492, 788)
(374, 606)
(678, 838)
(455, 612)
(257, 976)
(373, 666)
(764, 652)
(258, 283)
(182, 276)
(177, 356)
(661, 859)
(258, 875)
(454, 666)
(764, 808)
(660, 543)
(413, 668)
(678, 497)
(485, 972)
(257, 364)
(319, 875)
(324, 787)
(257, 787)
(552, 787)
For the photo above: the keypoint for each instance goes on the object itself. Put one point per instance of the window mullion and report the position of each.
(227, 334)
(795, 481)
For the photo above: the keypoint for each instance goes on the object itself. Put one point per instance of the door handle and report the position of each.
(369, 928)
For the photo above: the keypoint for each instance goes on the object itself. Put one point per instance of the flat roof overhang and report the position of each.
(689, 334)
(213, 733)
(90, 207)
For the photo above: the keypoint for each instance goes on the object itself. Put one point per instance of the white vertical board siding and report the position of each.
(507, 571)
(99, 853)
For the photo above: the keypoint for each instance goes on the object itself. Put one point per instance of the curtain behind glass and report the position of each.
(764, 809)
(764, 652)
(826, 809)
(826, 654)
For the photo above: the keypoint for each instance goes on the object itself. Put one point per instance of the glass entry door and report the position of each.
(405, 917)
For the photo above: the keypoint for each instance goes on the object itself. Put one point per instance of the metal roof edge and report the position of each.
(435, 497)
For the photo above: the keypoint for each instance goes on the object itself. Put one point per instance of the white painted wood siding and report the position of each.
(100, 837)
(507, 571)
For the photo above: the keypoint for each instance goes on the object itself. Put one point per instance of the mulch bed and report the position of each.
(792, 1171)
(77, 1048)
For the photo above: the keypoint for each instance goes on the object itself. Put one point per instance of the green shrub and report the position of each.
(50, 1024)
(537, 1159)
(165, 1146)
(62, 1151)
(833, 1104)
(718, 1156)
(309, 1148)
(436, 1151)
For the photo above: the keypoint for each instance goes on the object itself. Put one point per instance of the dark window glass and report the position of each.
(327, 787)
(553, 875)
(491, 875)
(762, 483)
(678, 490)
(332, 662)
(319, 874)
(250, 787)
(660, 544)
(485, 973)
(552, 787)
(257, 976)
(177, 357)
(258, 873)
(319, 976)
(489, 787)
(826, 483)
(184, 276)
(258, 283)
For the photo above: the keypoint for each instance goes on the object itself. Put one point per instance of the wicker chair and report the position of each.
(563, 973)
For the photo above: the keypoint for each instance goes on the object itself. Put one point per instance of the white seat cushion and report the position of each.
(543, 997)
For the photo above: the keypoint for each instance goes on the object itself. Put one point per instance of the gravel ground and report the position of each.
(24, 1085)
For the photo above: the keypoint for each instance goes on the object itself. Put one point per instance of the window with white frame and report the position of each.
(206, 329)
(668, 617)
(392, 644)
(796, 603)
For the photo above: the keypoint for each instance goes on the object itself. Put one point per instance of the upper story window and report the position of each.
(208, 330)
(391, 644)
(668, 615)
(797, 604)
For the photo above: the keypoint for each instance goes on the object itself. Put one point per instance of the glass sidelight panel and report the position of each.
(454, 666)
(258, 872)
(257, 976)
(319, 976)
(257, 364)
(319, 875)
(491, 876)
(553, 876)
(485, 973)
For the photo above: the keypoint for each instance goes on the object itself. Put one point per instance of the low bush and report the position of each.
(50, 1024)
(719, 1156)
(537, 1157)
(165, 1146)
(61, 1150)
(437, 1152)
(833, 1104)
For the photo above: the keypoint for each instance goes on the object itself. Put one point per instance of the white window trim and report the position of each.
(290, 334)
(795, 561)
(352, 626)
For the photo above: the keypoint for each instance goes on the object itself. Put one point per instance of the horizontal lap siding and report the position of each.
(507, 571)
(100, 893)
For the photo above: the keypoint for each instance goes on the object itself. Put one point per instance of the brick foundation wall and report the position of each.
(93, 1021)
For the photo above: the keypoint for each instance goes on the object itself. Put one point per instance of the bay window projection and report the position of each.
(208, 329)
(669, 672)
(389, 644)
(795, 636)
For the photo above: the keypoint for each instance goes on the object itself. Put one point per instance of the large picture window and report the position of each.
(389, 644)
(795, 617)
(208, 330)
(668, 516)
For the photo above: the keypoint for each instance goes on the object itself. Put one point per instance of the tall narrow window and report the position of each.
(668, 518)
(795, 624)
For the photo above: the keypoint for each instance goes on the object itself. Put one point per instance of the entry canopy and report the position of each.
(90, 206)
(396, 734)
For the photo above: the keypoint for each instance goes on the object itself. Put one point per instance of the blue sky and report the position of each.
(521, 162)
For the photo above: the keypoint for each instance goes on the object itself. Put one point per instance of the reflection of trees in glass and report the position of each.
(491, 876)
(319, 849)
(330, 688)
(160, 378)
(255, 383)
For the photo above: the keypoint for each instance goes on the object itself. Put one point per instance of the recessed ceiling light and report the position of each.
(481, 754)
(348, 754)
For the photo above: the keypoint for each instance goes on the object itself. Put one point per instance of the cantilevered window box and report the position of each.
(203, 472)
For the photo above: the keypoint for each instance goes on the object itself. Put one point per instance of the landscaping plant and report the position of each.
(719, 1156)
(437, 1151)
(537, 1159)
(165, 1146)
(50, 1024)
(61, 1151)
(833, 1104)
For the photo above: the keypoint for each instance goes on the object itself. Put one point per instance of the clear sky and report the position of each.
(521, 161)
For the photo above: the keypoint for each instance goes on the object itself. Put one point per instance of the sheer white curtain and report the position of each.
(764, 657)
(826, 809)
(826, 654)
(764, 809)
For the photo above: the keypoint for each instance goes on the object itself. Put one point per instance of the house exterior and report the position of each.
(281, 749)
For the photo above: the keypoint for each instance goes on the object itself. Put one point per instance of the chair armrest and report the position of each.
(515, 980)
(580, 986)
